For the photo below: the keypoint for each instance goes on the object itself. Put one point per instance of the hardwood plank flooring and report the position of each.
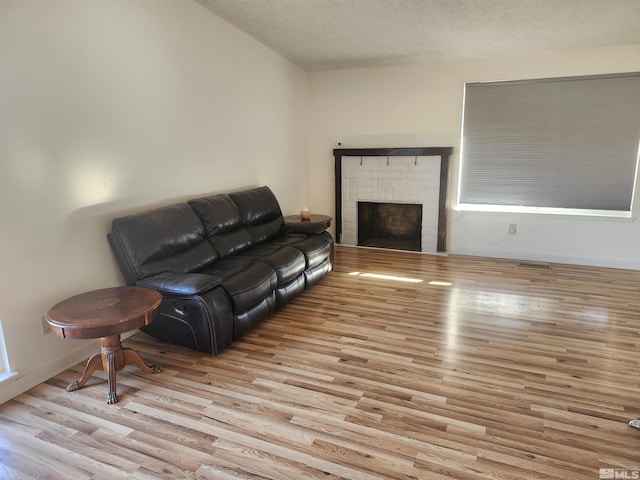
(480, 369)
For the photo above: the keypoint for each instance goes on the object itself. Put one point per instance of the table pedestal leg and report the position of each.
(94, 363)
(112, 358)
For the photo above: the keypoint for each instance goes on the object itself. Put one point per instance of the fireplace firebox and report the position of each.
(390, 225)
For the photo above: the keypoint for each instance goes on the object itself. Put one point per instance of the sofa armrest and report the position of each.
(305, 227)
(180, 283)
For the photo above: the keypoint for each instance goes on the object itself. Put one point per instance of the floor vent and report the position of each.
(535, 265)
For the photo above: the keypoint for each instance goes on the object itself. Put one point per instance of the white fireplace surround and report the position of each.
(394, 179)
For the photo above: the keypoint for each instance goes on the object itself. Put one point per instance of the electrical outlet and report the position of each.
(513, 229)
(45, 326)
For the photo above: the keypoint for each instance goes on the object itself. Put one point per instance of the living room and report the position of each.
(110, 108)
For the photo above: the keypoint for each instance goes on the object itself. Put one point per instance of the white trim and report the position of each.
(470, 207)
(17, 383)
(5, 367)
(7, 375)
(602, 262)
(20, 383)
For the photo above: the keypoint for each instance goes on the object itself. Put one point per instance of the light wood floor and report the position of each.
(503, 372)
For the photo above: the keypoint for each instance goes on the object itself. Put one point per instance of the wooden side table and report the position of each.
(315, 218)
(105, 314)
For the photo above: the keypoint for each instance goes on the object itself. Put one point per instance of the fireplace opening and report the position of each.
(390, 225)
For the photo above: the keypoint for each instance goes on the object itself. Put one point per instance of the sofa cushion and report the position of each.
(247, 283)
(231, 243)
(287, 292)
(314, 248)
(180, 283)
(257, 205)
(260, 213)
(290, 238)
(166, 239)
(265, 231)
(245, 321)
(218, 213)
(314, 274)
(287, 262)
(223, 223)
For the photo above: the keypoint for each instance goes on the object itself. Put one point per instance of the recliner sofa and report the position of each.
(223, 264)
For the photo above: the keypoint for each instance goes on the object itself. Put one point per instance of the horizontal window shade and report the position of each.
(556, 143)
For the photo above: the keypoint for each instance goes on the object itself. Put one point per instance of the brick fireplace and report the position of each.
(400, 197)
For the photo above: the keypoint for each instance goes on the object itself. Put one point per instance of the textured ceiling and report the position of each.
(329, 34)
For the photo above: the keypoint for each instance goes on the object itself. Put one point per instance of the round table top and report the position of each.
(104, 312)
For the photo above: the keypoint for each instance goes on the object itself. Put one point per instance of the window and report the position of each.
(560, 145)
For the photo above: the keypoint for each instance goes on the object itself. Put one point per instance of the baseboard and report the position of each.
(21, 382)
(602, 262)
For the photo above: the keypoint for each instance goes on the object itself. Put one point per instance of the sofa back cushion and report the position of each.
(236, 221)
(223, 224)
(167, 239)
(260, 213)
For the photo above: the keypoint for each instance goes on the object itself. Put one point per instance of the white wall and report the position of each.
(109, 107)
(421, 105)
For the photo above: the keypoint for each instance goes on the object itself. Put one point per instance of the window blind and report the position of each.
(565, 143)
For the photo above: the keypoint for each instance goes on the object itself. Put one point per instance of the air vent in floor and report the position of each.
(542, 265)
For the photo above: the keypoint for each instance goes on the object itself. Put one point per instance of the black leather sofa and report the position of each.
(223, 264)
